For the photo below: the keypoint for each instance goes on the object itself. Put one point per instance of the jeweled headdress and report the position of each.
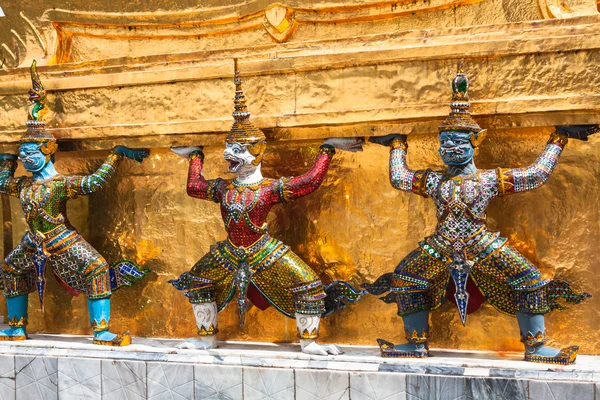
(36, 129)
(460, 117)
(243, 130)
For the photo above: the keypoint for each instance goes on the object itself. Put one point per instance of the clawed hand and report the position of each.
(133, 154)
(580, 132)
(387, 139)
(185, 151)
(347, 144)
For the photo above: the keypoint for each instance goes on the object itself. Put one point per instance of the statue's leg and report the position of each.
(524, 293)
(532, 329)
(533, 336)
(17, 318)
(207, 285)
(99, 310)
(206, 315)
(416, 331)
(309, 305)
(84, 270)
(18, 278)
(307, 326)
(295, 290)
(416, 286)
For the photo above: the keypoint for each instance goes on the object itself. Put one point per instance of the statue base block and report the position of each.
(71, 367)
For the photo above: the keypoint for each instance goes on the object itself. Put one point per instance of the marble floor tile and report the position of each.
(36, 378)
(322, 385)
(496, 389)
(428, 387)
(170, 381)
(558, 390)
(214, 382)
(79, 378)
(268, 383)
(377, 386)
(123, 380)
(7, 378)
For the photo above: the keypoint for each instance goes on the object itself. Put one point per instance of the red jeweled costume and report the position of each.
(275, 272)
(250, 261)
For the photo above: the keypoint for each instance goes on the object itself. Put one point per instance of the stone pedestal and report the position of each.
(70, 367)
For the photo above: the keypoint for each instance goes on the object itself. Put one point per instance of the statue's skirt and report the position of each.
(279, 275)
(504, 276)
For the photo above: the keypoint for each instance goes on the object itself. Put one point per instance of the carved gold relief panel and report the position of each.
(62, 31)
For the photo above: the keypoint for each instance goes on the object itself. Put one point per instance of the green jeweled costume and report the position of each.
(73, 260)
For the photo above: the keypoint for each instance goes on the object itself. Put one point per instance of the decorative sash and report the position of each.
(244, 262)
(460, 258)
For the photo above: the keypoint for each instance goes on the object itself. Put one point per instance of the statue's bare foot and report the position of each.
(209, 342)
(106, 338)
(321, 349)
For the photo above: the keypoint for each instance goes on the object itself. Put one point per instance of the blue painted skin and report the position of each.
(17, 308)
(456, 148)
(418, 321)
(534, 323)
(100, 310)
(35, 162)
(457, 153)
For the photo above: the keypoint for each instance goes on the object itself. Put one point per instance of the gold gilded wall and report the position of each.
(158, 73)
(355, 227)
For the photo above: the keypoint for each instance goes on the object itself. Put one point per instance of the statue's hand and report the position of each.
(185, 151)
(9, 157)
(133, 154)
(387, 139)
(347, 144)
(580, 132)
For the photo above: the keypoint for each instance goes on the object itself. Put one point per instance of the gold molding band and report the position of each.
(20, 323)
(100, 326)
(416, 337)
(306, 334)
(211, 331)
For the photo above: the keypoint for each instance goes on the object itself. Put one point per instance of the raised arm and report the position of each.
(8, 183)
(515, 180)
(88, 184)
(299, 186)
(197, 185)
(402, 177)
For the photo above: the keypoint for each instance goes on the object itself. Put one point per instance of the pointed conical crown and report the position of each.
(36, 129)
(460, 117)
(242, 130)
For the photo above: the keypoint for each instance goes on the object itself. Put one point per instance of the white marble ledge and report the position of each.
(272, 355)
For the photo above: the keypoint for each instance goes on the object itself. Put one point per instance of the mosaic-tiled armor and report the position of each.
(462, 248)
(251, 262)
(51, 242)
